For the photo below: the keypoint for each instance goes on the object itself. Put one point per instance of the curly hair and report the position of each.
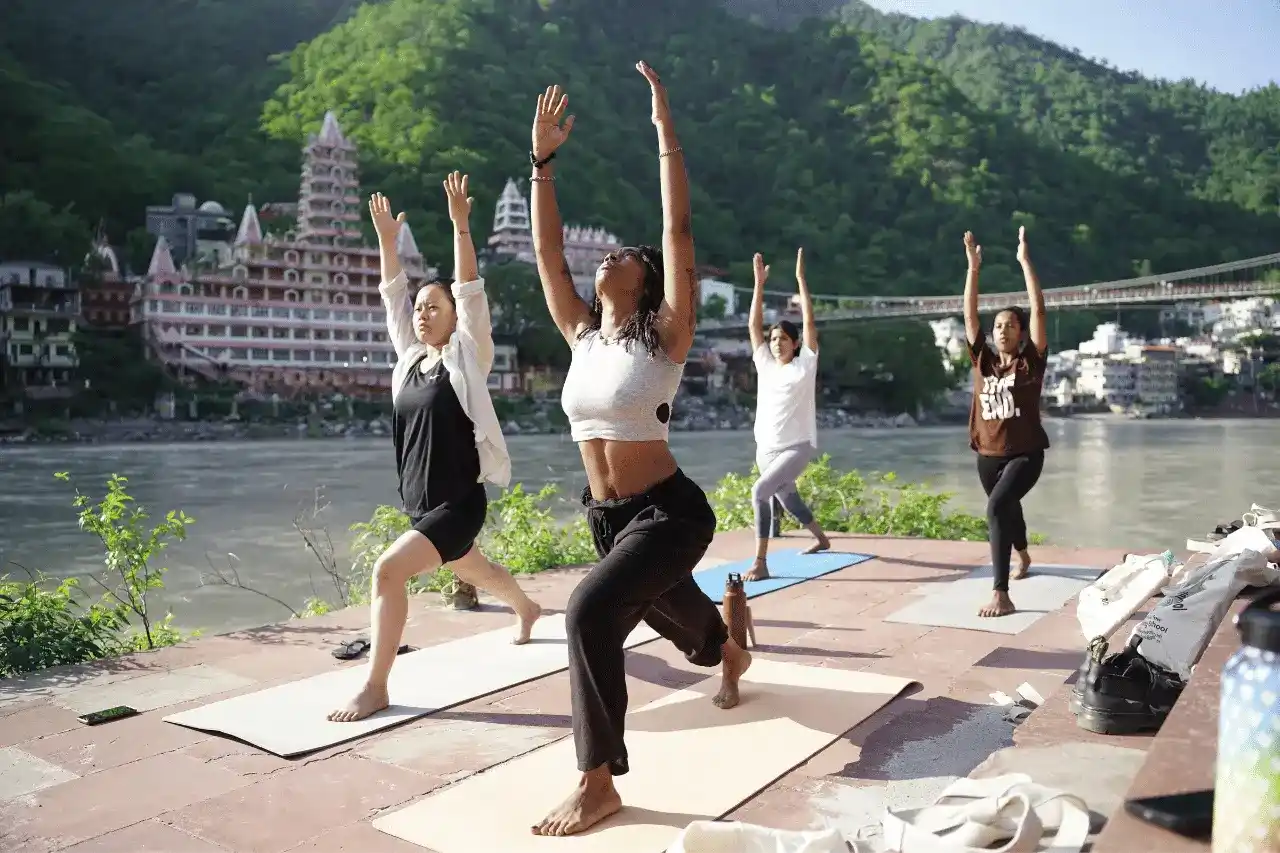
(640, 327)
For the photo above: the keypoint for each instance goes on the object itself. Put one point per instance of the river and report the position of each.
(1145, 485)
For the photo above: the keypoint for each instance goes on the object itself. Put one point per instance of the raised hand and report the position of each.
(455, 188)
(800, 265)
(661, 111)
(386, 225)
(973, 251)
(761, 270)
(549, 133)
(1024, 254)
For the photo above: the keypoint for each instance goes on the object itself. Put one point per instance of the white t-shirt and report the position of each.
(786, 409)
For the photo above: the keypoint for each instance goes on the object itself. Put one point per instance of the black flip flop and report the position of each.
(351, 649)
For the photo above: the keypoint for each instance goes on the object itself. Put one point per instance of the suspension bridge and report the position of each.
(1235, 280)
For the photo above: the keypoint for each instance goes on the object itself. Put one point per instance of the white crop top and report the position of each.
(618, 392)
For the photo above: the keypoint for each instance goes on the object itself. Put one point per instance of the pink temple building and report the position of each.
(288, 313)
(584, 246)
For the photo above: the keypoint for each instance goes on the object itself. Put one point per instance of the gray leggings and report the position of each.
(778, 472)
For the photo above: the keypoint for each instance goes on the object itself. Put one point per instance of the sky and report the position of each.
(1230, 45)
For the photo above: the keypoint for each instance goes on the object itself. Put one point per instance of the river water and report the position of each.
(1141, 485)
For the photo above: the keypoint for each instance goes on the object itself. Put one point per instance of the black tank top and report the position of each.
(435, 441)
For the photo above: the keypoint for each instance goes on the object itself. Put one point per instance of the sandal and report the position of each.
(351, 649)
(972, 815)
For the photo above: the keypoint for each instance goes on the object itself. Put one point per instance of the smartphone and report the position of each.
(108, 715)
(1189, 814)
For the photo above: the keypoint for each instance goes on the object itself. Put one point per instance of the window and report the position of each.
(260, 355)
(321, 334)
(316, 278)
(193, 331)
(291, 275)
(184, 289)
(260, 311)
(300, 314)
(280, 355)
(241, 293)
(239, 331)
(302, 355)
(320, 314)
(292, 258)
(240, 272)
(291, 296)
(340, 260)
(260, 332)
(320, 355)
(239, 353)
(217, 310)
(340, 279)
(280, 313)
(339, 299)
(336, 225)
(217, 331)
(280, 333)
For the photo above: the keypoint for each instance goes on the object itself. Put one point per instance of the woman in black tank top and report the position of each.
(438, 459)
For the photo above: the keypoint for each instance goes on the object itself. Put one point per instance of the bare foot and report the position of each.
(527, 618)
(1001, 605)
(593, 801)
(759, 571)
(370, 700)
(822, 544)
(1023, 568)
(736, 660)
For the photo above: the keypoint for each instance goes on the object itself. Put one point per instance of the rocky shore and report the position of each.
(695, 417)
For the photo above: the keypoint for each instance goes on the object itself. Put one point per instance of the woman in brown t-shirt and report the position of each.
(1004, 420)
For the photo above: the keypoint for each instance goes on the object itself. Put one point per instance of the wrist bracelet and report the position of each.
(547, 178)
(538, 164)
(464, 232)
(678, 149)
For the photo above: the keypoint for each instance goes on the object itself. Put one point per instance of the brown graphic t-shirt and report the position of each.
(1004, 419)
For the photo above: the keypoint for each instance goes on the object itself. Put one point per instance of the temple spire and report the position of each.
(330, 132)
(161, 260)
(406, 246)
(250, 232)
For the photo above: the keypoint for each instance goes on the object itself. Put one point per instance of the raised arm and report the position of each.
(570, 314)
(678, 313)
(474, 322)
(809, 329)
(1039, 330)
(394, 287)
(755, 320)
(972, 323)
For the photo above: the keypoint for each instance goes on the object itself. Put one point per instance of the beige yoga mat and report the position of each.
(955, 604)
(289, 719)
(689, 761)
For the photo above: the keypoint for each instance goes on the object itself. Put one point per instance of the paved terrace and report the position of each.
(144, 786)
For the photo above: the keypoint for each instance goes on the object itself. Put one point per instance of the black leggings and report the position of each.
(648, 545)
(1007, 480)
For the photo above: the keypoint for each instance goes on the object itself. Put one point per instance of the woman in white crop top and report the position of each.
(786, 415)
(651, 524)
(447, 440)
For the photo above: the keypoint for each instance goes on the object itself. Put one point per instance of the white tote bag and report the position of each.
(1106, 603)
(709, 836)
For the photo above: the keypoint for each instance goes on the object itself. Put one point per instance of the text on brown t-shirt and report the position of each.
(1004, 419)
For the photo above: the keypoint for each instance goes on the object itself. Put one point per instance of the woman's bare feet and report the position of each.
(527, 617)
(593, 801)
(735, 660)
(759, 570)
(371, 699)
(821, 543)
(1001, 605)
(1024, 566)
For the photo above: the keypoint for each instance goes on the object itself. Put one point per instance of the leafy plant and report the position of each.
(843, 502)
(43, 626)
(130, 545)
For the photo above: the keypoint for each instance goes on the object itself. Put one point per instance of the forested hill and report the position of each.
(874, 142)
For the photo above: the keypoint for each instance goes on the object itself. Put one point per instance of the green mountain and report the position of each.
(872, 140)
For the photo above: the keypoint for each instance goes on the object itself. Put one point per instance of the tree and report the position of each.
(714, 308)
(520, 312)
(32, 230)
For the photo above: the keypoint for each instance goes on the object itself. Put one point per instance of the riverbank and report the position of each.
(155, 429)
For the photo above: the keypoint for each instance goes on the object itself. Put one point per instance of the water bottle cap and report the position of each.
(1259, 623)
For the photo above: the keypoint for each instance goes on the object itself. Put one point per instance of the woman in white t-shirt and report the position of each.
(786, 415)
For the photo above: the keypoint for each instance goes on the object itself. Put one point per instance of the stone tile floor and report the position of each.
(145, 786)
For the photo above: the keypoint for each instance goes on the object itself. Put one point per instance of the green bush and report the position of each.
(42, 626)
(844, 502)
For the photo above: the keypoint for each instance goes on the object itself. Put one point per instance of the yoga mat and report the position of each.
(955, 604)
(787, 568)
(689, 761)
(289, 719)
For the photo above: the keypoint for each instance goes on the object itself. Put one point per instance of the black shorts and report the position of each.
(453, 526)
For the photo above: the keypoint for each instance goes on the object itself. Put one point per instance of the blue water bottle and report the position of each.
(1246, 813)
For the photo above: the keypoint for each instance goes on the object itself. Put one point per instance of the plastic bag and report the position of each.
(1175, 633)
(709, 836)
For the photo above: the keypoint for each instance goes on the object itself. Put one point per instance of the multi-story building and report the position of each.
(106, 291)
(1109, 379)
(288, 313)
(1155, 376)
(189, 228)
(39, 304)
(512, 237)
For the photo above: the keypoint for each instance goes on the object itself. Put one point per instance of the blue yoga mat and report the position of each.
(787, 568)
